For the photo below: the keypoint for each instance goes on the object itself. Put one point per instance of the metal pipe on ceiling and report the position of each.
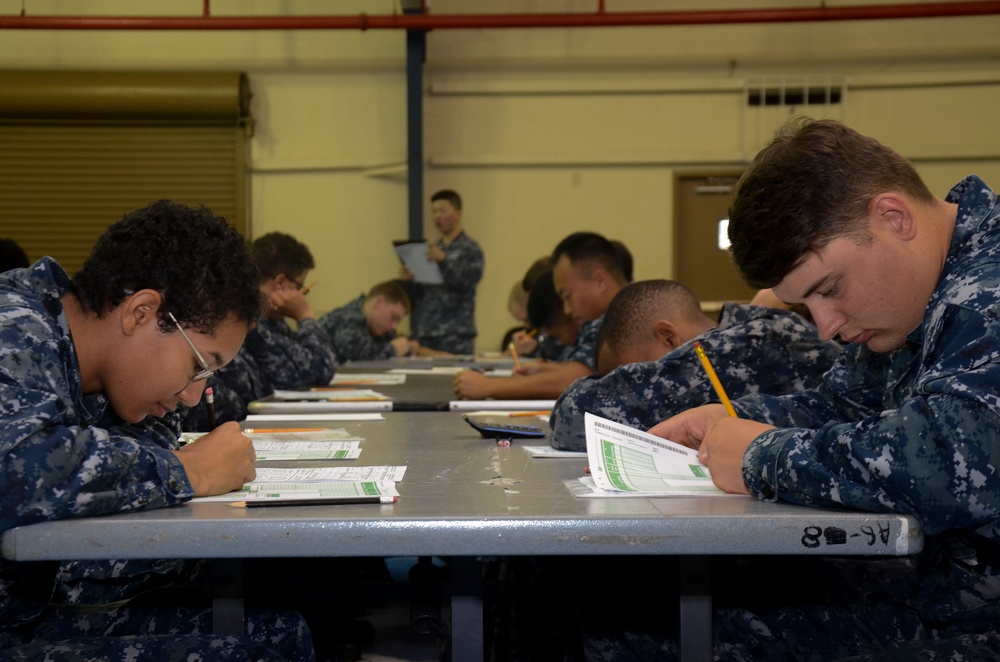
(428, 21)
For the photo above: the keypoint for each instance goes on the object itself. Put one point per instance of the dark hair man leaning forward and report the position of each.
(907, 421)
(91, 369)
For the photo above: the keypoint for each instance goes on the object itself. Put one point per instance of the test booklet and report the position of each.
(317, 405)
(548, 451)
(258, 490)
(502, 405)
(328, 394)
(273, 475)
(368, 378)
(306, 445)
(306, 450)
(326, 416)
(413, 254)
(624, 459)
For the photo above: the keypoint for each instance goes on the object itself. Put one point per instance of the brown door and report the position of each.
(702, 204)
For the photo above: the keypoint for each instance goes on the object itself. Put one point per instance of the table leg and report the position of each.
(695, 640)
(467, 639)
(227, 597)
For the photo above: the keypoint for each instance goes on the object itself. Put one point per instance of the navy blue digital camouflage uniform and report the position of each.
(444, 316)
(914, 431)
(273, 356)
(551, 349)
(753, 349)
(64, 454)
(586, 342)
(351, 337)
(292, 358)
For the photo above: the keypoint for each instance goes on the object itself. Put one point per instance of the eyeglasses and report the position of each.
(206, 372)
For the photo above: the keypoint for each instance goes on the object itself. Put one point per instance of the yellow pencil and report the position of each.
(513, 352)
(714, 378)
(305, 290)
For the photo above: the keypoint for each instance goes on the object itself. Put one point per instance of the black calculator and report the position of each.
(491, 430)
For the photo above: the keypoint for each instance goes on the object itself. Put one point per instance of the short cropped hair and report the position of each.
(394, 291)
(545, 308)
(451, 196)
(589, 251)
(12, 256)
(280, 253)
(624, 258)
(638, 306)
(201, 266)
(537, 268)
(812, 184)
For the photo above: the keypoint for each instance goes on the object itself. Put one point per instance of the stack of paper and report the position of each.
(306, 445)
(330, 394)
(367, 378)
(350, 484)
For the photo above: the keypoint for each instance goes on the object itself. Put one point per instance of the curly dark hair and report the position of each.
(280, 253)
(814, 183)
(12, 256)
(545, 308)
(199, 263)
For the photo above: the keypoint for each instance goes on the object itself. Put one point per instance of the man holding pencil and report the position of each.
(91, 370)
(275, 355)
(909, 419)
(647, 354)
(588, 272)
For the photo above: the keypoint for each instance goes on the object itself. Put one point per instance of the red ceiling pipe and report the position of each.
(428, 21)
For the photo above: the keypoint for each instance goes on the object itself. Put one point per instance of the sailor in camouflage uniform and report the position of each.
(274, 356)
(588, 272)
(90, 369)
(907, 421)
(290, 358)
(753, 349)
(365, 329)
(444, 315)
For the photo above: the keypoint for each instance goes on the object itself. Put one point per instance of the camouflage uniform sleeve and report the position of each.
(586, 341)
(293, 358)
(930, 450)
(352, 340)
(462, 267)
(639, 395)
(566, 421)
(54, 469)
(771, 354)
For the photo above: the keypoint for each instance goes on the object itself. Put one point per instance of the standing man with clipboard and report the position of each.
(444, 314)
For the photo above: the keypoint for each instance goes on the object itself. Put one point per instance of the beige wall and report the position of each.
(543, 132)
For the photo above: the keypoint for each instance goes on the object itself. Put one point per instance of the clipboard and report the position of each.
(413, 255)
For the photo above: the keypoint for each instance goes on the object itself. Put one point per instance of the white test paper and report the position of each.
(414, 256)
(623, 459)
(306, 490)
(376, 473)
